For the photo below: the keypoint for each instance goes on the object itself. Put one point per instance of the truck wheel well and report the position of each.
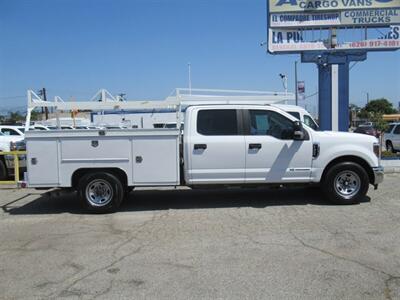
(355, 159)
(78, 174)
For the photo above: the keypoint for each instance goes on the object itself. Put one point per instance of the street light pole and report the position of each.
(284, 82)
(295, 83)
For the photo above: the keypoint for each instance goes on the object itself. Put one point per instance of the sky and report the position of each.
(143, 47)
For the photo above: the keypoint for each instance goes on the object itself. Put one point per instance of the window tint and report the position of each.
(271, 123)
(217, 122)
(9, 131)
(397, 130)
(310, 122)
(389, 129)
(294, 114)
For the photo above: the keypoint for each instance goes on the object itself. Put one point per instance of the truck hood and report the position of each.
(356, 137)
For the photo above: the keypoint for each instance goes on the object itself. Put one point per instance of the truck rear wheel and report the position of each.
(101, 192)
(3, 170)
(345, 183)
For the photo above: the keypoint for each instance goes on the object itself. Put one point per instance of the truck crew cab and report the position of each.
(222, 145)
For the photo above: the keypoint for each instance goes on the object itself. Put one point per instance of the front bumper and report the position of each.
(378, 175)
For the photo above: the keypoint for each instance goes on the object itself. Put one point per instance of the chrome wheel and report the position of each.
(347, 184)
(99, 192)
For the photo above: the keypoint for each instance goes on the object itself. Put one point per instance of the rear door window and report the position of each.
(397, 130)
(217, 122)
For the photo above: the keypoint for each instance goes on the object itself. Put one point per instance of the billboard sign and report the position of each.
(327, 5)
(366, 17)
(294, 40)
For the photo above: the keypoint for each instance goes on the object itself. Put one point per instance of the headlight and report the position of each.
(377, 149)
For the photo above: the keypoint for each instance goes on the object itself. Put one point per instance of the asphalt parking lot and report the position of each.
(235, 244)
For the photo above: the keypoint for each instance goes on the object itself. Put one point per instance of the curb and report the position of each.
(391, 166)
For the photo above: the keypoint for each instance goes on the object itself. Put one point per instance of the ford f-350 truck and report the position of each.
(221, 145)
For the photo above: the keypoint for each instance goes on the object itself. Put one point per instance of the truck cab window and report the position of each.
(217, 122)
(263, 122)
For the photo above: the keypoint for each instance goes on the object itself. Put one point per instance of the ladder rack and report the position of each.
(180, 99)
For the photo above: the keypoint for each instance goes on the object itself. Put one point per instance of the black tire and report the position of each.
(345, 183)
(3, 170)
(101, 192)
(389, 147)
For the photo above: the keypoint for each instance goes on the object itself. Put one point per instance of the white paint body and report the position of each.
(151, 157)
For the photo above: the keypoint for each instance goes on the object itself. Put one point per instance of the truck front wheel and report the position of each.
(101, 192)
(345, 183)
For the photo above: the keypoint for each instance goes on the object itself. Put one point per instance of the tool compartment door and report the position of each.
(42, 162)
(155, 160)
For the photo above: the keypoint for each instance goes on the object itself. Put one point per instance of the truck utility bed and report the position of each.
(149, 157)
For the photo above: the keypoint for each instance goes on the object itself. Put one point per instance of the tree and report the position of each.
(382, 106)
(15, 117)
(35, 115)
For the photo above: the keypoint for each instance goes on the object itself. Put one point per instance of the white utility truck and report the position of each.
(229, 144)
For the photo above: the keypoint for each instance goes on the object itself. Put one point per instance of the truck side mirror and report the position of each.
(298, 133)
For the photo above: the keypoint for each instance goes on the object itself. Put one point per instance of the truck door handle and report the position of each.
(200, 146)
(254, 146)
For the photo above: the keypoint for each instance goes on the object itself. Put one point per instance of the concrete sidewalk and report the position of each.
(391, 165)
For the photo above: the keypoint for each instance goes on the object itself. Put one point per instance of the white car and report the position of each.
(392, 137)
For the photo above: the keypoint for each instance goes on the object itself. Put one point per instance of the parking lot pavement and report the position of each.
(183, 244)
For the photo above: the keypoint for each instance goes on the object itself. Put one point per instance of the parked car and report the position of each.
(222, 145)
(392, 137)
(367, 129)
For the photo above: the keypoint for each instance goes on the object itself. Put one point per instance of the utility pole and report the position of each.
(46, 110)
(42, 94)
(295, 83)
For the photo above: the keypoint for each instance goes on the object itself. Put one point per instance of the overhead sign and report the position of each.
(365, 17)
(284, 40)
(325, 5)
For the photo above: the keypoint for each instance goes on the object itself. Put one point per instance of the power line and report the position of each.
(12, 97)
